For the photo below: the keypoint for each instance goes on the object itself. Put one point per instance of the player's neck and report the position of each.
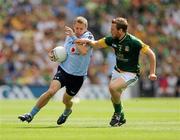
(79, 35)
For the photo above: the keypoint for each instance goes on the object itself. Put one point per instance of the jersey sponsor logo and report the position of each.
(126, 48)
(123, 60)
(73, 50)
(120, 47)
(114, 45)
(120, 57)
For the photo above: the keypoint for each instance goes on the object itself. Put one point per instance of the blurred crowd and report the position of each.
(30, 28)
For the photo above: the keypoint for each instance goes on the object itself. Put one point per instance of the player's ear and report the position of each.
(120, 30)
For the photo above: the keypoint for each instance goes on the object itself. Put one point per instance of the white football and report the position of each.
(60, 53)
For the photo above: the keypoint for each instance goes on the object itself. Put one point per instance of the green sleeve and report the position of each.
(109, 40)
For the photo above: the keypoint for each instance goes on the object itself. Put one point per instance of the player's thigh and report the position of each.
(73, 85)
(54, 86)
(120, 81)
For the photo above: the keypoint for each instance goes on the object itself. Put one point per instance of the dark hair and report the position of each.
(121, 23)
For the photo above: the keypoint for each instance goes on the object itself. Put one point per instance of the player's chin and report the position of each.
(78, 34)
(114, 36)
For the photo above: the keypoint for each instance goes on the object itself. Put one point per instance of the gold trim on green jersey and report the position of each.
(144, 48)
(102, 43)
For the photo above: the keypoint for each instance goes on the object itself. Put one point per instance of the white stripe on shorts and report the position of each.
(129, 77)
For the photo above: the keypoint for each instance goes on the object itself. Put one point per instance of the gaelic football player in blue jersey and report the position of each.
(70, 73)
(127, 50)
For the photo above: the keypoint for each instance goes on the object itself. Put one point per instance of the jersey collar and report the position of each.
(123, 38)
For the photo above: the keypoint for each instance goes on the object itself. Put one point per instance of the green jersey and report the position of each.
(127, 52)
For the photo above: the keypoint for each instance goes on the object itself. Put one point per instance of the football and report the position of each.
(60, 53)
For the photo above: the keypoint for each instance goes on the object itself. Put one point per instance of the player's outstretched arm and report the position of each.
(152, 59)
(93, 43)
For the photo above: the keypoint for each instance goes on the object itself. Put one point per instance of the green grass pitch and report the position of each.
(147, 119)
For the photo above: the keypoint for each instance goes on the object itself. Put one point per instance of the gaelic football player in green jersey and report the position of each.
(127, 50)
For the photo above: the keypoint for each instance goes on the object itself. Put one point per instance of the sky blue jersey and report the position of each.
(75, 63)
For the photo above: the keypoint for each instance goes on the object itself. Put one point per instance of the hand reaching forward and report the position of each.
(82, 41)
(152, 77)
(68, 31)
(51, 56)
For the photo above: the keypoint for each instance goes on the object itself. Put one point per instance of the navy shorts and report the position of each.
(71, 82)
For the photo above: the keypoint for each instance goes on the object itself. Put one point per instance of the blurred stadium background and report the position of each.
(30, 28)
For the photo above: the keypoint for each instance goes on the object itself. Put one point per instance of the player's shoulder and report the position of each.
(88, 35)
(135, 39)
(68, 39)
(132, 37)
(108, 38)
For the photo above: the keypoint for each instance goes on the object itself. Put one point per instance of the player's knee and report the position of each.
(51, 92)
(66, 101)
(112, 88)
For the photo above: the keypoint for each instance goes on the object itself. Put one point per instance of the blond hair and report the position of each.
(81, 20)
